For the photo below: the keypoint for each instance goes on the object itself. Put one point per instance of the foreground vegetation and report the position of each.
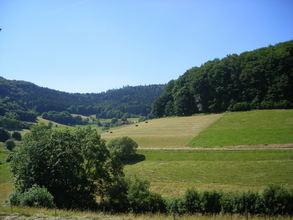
(36, 213)
(171, 172)
(248, 128)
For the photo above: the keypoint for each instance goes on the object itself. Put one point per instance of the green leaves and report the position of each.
(73, 164)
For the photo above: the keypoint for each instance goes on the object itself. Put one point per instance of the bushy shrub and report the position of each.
(34, 197)
(9, 144)
(116, 197)
(211, 202)
(283, 104)
(123, 148)
(248, 202)
(4, 135)
(192, 201)
(141, 200)
(228, 203)
(14, 198)
(16, 135)
(176, 206)
(277, 200)
(240, 106)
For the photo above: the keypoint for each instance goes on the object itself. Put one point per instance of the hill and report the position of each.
(260, 79)
(129, 100)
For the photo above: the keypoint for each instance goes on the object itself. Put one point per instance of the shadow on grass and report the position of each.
(135, 159)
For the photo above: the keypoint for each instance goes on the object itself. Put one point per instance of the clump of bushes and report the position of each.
(10, 144)
(141, 200)
(4, 135)
(133, 195)
(123, 148)
(274, 200)
(34, 197)
(16, 136)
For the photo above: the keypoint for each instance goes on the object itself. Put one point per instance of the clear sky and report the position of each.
(92, 45)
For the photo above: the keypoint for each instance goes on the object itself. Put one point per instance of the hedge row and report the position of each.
(273, 200)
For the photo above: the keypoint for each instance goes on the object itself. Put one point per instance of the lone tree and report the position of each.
(9, 144)
(123, 148)
(73, 164)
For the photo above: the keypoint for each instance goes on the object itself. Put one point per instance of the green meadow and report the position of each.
(171, 172)
(248, 128)
(207, 166)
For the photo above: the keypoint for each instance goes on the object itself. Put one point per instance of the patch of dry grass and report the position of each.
(165, 132)
(37, 213)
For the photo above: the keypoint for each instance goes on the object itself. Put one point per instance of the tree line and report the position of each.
(64, 117)
(127, 101)
(260, 79)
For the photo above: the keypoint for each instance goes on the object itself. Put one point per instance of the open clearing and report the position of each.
(165, 132)
(248, 128)
(172, 172)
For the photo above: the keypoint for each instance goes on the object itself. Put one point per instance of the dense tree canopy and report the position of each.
(63, 118)
(28, 97)
(124, 148)
(73, 164)
(262, 78)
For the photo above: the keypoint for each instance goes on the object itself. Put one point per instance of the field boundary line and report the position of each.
(226, 148)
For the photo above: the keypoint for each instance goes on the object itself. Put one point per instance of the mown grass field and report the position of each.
(165, 132)
(171, 172)
(248, 128)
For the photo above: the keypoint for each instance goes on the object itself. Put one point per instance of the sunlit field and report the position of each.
(165, 132)
(248, 128)
(172, 172)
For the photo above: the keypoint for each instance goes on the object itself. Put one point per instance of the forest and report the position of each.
(260, 79)
(21, 102)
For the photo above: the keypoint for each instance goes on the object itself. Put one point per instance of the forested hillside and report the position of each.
(127, 101)
(260, 79)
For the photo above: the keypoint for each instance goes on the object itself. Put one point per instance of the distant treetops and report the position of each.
(260, 79)
(26, 98)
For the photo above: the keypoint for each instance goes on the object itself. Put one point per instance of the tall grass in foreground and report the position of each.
(68, 214)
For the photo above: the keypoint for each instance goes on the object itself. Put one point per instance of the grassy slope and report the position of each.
(252, 127)
(171, 172)
(165, 132)
(5, 175)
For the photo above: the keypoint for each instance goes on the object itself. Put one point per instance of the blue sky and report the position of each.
(92, 45)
